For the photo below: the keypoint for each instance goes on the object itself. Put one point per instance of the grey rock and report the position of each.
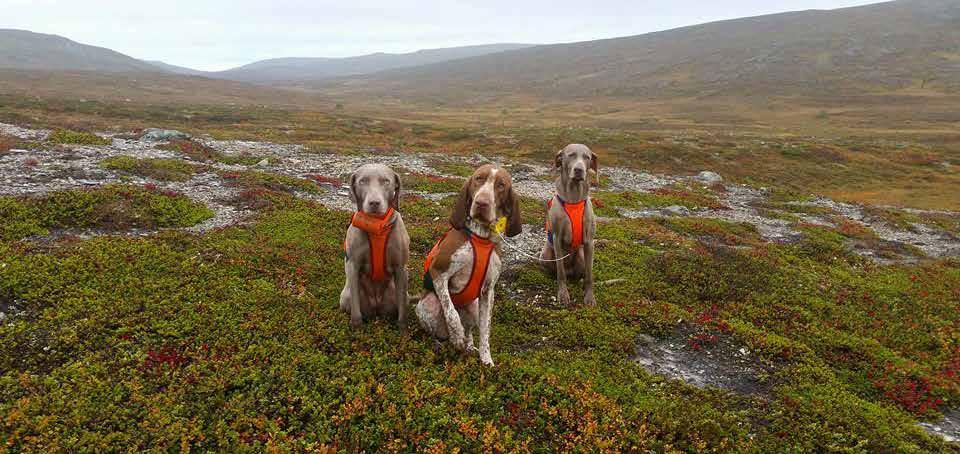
(677, 210)
(709, 177)
(156, 134)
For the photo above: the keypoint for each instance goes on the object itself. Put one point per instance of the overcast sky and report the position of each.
(221, 34)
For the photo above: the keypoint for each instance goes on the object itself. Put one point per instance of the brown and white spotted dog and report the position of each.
(462, 269)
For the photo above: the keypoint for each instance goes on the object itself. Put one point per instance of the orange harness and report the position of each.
(378, 232)
(575, 214)
(482, 250)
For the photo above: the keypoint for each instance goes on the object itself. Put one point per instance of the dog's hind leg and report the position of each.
(400, 287)
(575, 265)
(430, 313)
(470, 316)
(345, 299)
(546, 261)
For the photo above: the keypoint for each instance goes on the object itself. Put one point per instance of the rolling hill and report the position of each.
(182, 70)
(886, 46)
(886, 68)
(25, 50)
(305, 69)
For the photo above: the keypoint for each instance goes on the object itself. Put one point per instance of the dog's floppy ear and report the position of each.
(397, 187)
(461, 209)
(353, 191)
(558, 160)
(595, 165)
(514, 220)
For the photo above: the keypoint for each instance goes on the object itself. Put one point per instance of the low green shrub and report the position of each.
(200, 152)
(252, 179)
(67, 137)
(158, 169)
(606, 203)
(414, 181)
(112, 208)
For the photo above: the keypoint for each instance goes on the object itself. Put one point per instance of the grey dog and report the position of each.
(377, 249)
(570, 206)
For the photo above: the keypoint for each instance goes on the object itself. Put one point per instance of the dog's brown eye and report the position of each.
(479, 178)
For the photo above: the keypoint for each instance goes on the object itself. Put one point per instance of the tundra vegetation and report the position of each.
(233, 337)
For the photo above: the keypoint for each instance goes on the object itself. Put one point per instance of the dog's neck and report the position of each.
(482, 230)
(572, 191)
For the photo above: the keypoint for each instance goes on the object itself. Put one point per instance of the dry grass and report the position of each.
(853, 148)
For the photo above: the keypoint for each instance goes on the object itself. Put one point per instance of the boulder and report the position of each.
(708, 177)
(677, 210)
(156, 135)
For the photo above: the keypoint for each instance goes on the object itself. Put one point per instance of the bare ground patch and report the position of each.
(948, 427)
(687, 355)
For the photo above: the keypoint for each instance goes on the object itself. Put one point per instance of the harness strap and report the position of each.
(378, 234)
(482, 250)
(575, 212)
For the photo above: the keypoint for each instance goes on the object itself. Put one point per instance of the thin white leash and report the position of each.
(503, 239)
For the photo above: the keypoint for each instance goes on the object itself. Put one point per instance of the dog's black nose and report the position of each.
(374, 204)
(578, 172)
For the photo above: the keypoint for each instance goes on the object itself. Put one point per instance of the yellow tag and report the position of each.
(500, 226)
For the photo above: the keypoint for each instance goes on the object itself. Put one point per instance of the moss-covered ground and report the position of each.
(159, 168)
(109, 208)
(233, 340)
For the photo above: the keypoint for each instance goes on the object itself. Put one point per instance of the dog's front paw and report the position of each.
(356, 321)
(486, 359)
(563, 296)
(588, 299)
(457, 338)
(458, 342)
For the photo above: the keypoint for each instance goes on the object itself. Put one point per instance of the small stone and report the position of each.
(263, 163)
(677, 210)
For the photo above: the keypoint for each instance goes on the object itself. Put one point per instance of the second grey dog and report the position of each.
(571, 223)
(376, 248)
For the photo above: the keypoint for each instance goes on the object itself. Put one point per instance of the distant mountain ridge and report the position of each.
(883, 46)
(25, 50)
(897, 45)
(21, 49)
(305, 69)
(182, 70)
